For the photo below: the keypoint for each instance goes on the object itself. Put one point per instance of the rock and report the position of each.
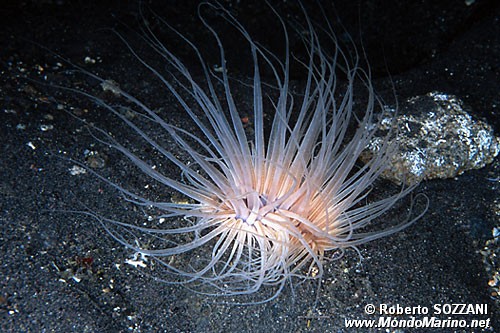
(436, 138)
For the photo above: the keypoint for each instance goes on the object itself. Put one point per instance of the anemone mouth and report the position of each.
(263, 208)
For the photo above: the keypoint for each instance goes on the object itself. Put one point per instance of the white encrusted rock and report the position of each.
(437, 138)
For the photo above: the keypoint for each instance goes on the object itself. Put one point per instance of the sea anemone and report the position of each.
(264, 204)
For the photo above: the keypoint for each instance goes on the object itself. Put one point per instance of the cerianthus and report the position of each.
(265, 205)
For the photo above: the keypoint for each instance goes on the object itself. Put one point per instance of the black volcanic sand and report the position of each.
(61, 272)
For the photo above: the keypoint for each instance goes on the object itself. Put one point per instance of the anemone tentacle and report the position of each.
(265, 208)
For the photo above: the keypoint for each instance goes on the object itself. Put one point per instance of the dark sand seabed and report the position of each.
(62, 273)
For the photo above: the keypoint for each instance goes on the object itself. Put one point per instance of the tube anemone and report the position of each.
(265, 206)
